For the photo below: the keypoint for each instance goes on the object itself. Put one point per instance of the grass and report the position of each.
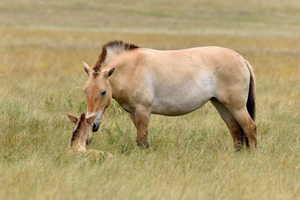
(191, 157)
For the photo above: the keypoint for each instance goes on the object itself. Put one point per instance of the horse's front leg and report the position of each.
(142, 116)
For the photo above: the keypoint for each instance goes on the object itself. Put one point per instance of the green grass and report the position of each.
(191, 157)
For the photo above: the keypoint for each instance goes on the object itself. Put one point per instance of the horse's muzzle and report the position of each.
(96, 127)
(97, 121)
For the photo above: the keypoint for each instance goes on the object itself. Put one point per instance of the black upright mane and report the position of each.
(76, 131)
(116, 47)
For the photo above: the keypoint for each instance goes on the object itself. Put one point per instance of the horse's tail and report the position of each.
(251, 102)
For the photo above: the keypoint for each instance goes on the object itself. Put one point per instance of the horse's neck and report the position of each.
(121, 72)
(78, 145)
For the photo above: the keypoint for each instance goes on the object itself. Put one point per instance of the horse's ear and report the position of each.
(91, 119)
(109, 73)
(87, 69)
(72, 118)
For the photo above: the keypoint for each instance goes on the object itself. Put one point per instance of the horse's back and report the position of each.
(201, 67)
(193, 60)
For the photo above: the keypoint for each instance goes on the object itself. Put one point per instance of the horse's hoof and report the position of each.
(143, 144)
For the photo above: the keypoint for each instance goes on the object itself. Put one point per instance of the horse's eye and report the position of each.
(103, 93)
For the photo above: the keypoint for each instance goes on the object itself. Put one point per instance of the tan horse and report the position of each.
(82, 135)
(145, 81)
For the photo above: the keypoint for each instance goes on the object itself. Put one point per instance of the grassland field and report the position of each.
(42, 45)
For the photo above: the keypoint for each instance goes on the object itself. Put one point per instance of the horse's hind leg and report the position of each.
(248, 125)
(233, 126)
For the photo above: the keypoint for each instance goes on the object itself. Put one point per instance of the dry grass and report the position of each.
(210, 17)
(192, 156)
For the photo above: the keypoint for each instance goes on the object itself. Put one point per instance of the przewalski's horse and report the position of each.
(82, 135)
(145, 81)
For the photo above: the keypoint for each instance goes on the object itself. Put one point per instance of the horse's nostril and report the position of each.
(95, 127)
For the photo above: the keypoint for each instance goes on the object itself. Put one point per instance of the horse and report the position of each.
(146, 81)
(82, 135)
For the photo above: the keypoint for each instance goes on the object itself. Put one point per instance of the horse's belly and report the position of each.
(182, 94)
(180, 105)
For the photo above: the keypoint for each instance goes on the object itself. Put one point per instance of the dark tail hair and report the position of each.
(251, 102)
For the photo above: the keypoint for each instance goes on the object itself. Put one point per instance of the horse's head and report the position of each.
(82, 134)
(98, 91)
